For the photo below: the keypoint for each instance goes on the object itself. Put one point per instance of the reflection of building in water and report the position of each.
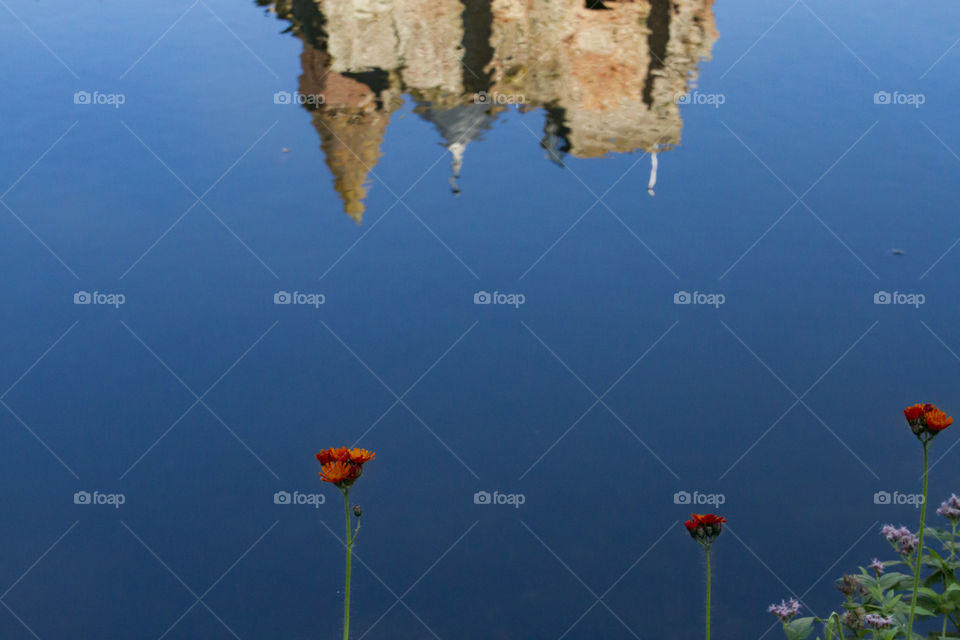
(606, 72)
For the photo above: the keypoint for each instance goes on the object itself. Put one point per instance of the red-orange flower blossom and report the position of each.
(926, 420)
(705, 527)
(937, 420)
(913, 413)
(342, 466)
(339, 472)
(707, 518)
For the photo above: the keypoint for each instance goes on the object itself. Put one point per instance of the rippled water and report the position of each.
(595, 261)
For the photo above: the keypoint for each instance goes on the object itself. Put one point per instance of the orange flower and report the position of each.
(926, 420)
(343, 466)
(707, 519)
(913, 413)
(333, 454)
(338, 472)
(937, 420)
(704, 528)
(360, 456)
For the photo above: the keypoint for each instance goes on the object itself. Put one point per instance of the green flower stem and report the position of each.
(953, 540)
(923, 525)
(350, 539)
(708, 592)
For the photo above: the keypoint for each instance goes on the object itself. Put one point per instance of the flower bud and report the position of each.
(357, 510)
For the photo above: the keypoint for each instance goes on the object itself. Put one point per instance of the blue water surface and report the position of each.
(599, 403)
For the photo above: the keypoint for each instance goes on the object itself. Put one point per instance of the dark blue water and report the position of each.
(197, 199)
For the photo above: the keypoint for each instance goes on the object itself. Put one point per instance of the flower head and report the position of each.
(901, 538)
(937, 420)
(332, 454)
(876, 621)
(913, 413)
(360, 456)
(877, 567)
(342, 466)
(850, 584)
(950, 508)
(704, 528)
(926, 420)
(854, 618)
(785, 610)
(339, 473)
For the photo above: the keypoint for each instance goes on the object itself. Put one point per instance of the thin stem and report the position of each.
(923, 520)
(953, 539)
(839, 628)
(946, 618)
(708, 592)
(346, 601)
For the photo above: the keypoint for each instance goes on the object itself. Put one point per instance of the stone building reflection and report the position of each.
(606, 73)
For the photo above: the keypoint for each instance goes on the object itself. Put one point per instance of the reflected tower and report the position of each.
(608, 73)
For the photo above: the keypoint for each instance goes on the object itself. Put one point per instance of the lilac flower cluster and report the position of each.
(876, 621)
(877, 567)
(950, 508)
(901, 538)
(785, 610)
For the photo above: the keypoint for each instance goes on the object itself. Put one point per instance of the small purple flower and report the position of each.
(785, 610)
(877, 621)
(901, 538)
(950, 508)
(908, 544)
(877, 567)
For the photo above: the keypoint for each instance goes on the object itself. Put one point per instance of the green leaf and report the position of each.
(799, 628)
(893, 580)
